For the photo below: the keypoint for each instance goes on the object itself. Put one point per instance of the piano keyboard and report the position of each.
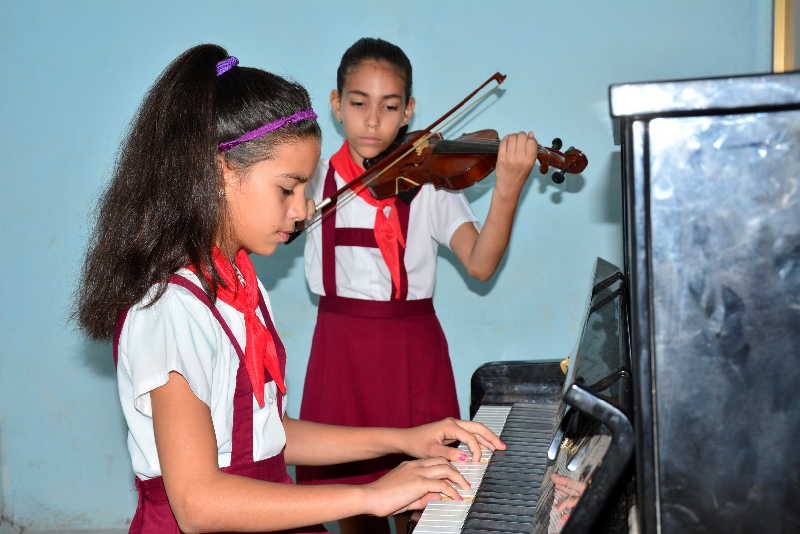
(506, 484)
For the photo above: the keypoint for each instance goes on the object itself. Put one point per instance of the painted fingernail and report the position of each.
(462, 457)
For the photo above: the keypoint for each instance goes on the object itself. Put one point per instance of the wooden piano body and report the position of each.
(690, 356)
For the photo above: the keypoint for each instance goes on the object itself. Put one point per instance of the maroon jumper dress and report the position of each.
(373, 363)
(153, 513)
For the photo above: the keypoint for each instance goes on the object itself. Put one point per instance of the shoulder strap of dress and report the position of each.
(242, 428)
(281, 350)
(329, 237)
(200, 294)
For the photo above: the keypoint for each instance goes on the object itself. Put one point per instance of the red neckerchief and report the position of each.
(259, 349)
(388, 233)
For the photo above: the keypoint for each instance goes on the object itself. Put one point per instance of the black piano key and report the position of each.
(517, 499)
(481, 508)
(506, 499)
(531, 471)
(519, 483)
(505, 502)
(514, 519)
(499, 488)
(481, 525)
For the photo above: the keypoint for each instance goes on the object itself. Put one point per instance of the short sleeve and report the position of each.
(174, 334)
(450, 211)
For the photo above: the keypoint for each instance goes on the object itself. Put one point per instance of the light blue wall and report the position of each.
(74, 72)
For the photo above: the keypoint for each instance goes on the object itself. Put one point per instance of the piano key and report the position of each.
(447, 516)
(506, 484)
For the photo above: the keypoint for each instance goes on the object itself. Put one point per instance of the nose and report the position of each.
(373, 119)
(298, 208)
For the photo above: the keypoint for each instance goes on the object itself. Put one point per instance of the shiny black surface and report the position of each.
(586, 433)
(711, 178)
(507, 382)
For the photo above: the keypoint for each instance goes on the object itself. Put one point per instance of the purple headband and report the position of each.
(270, 126)
(226, 64)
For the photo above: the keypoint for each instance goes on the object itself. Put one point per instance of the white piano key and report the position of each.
(448, 516)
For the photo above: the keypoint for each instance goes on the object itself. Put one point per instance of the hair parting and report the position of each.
(378, 49)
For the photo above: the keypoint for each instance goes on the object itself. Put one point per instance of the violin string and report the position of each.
(350, 195)
(496, 142)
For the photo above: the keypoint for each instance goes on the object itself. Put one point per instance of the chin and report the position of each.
(266, 249)
(370, 152)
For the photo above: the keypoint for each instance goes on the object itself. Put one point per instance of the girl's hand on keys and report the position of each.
(432, 440)
(412, 485)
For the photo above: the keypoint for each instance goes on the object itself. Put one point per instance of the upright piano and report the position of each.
(680, 409)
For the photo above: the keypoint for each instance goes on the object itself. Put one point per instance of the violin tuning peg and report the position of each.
(558, 177)
(556, 144)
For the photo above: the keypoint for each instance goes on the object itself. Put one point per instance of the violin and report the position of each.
(459, 163)
(423, 156)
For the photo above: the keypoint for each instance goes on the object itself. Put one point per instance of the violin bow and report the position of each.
(418, 143)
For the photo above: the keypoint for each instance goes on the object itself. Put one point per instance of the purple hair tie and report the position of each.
(226, 64)
(270, 126)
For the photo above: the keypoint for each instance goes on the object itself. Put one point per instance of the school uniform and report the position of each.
(184, 332)
(379, 356)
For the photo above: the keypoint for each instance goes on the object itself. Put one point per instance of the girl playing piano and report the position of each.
(214, 167)
(379, 356)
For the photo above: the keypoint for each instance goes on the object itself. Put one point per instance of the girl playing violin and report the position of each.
(379, 356)
(215, 167)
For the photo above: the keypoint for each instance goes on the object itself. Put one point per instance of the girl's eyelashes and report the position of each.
(286, 192)
(388, 107)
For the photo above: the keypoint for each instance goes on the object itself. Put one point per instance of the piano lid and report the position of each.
(762, 92)
(600, 360)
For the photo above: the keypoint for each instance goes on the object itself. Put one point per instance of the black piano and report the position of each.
(679, 410)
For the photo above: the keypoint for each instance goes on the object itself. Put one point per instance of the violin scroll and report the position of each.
(572, 161)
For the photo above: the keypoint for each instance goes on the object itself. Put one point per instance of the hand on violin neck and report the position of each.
(515, 159)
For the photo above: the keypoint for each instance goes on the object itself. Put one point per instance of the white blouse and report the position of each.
(179, 333)
(361, 272)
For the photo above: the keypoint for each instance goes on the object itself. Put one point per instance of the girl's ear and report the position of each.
(336, 105)
(229, 176)
(409, 110)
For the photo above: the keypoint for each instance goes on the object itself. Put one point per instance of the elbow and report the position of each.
(480, 274)
(190, 513)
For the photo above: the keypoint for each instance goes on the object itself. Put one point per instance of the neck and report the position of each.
(228, 250)
(356, 157)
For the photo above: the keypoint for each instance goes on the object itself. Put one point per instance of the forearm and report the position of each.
(230, 503)
(492, 240)
(310, 443)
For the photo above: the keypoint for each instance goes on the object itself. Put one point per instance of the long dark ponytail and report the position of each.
(162, 210)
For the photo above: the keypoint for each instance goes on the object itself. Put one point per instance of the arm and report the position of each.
(480, 252)
(205, 499)
(310, 443)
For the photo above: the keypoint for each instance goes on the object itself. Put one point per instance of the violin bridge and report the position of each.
(420, 145)
(403, 178)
